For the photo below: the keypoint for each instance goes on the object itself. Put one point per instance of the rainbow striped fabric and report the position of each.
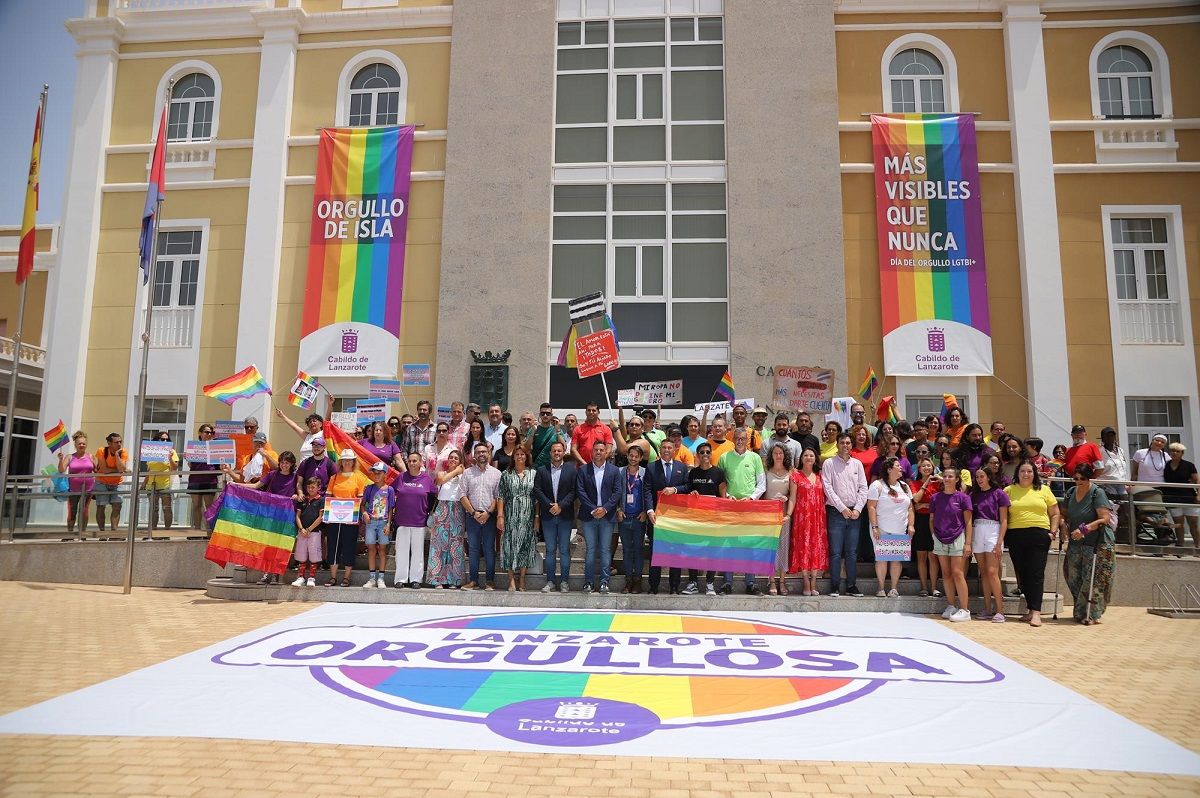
(711, 534)
(566, 353)
(246, 383)
(251, 528)
(56, 436)
(336, 439)
(725, 387)
(870, 384)
(304, 391)
(887, 410)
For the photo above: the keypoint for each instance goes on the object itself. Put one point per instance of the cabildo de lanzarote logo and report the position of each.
(578, 678)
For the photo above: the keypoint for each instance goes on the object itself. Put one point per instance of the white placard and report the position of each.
(664, 393)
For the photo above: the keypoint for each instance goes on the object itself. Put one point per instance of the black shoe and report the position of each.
(754, 590)
(726, 589)
(854, 591)
(653, 591)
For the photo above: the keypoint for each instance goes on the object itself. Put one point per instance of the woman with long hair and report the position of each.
(474, 435)
(809, 549)
(1033, 521)
(923, 488)
(951, 511)
(516, 520)
(890, 508)
(829, 436)
(781, 488)
(989, 513)
(1012, 452)
(447, 565)
(510, 441)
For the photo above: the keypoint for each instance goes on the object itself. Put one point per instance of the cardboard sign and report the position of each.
(415, 375)
(893, 548)
(803, 388)
(626, 397)
(222, 452)
(384, 389)
(340, 511)
(596, 353)
(223, 429)
(724, 407)
(369, 411)
(303, 393)
(664, 393)
(347, 422)
(195, 451)
(156, 451)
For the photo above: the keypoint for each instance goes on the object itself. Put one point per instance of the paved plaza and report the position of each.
(61, 638)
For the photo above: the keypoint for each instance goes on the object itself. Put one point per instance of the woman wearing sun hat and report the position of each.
(341, 540)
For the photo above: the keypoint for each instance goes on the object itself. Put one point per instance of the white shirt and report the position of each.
(598, 474)
(1114, 464)
(1151, 464)
(494, 435)
(555, 477)
(450, 491)
(254, 468)
(891, 512)
(306, 447)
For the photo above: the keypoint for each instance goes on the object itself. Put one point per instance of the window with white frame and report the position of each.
(1125, 81)
(1146, 417)
(918, 82)
(921, 406)
(166, 414)
(375, 96)
(1143, 273)
(192, 101)
(175, 288)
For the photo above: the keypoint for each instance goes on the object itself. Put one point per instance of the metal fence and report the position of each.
(1145, 524)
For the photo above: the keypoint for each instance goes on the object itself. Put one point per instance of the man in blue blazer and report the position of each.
(664, 477)
(600, 490)
(554, 491)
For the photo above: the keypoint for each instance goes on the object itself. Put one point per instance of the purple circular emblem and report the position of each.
(572, 721)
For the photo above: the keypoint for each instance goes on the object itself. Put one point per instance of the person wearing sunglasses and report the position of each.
(202, 482)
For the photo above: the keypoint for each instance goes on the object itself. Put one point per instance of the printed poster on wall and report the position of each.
(351, 324)
(932, 273)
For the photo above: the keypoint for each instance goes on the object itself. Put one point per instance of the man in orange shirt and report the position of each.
(587, 434)
(112, 464)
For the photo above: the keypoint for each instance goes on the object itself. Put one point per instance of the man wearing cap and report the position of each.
(253, 467)
(682, 453)
(759, 419)
(782, 438)
(753, 439)
(1149, 463)
(318, 466)
(1082, 451)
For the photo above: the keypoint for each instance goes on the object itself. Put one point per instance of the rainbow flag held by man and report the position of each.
(869, 385)
(725, 387)
(711, 534)
(56, 437)
(251, 528)
(246, 383)
(25, 249)
(337, 439)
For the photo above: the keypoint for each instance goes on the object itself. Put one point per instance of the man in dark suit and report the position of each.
(664, 477)
(600, 490)
(554, 491)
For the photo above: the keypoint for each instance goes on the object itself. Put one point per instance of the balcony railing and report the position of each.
(1149, 322)
(30, 355)
(170, 5)
(172, 328)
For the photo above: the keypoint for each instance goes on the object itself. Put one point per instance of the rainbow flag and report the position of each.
(355, 284)
(566, 353)
(887, 410)
(304, 391)
(337, 439)
(711, 534)
(246, 383)
(251, 528)
(869, 385)
(725, 387)
(56, 436)
(25, 249)
(156, 192)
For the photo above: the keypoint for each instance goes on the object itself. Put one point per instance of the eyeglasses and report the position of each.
(545, 413)
(206, 432)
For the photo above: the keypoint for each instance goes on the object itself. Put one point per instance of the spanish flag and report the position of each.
(29, 219)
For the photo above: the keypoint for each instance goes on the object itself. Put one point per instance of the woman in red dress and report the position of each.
(810, 535)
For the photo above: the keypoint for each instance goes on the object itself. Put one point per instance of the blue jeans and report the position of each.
(843, 544)
(482, 537)
(750, 578)
(597, 534)
(633, 535)
(557, 531)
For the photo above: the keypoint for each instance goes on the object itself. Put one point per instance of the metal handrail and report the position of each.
(1127, 498)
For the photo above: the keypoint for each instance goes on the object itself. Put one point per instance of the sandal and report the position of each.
(924, 593)
(783, 591)
(345, 582)
(331, 583)
(771, 588)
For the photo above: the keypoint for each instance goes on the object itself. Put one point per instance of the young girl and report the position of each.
(307, 551)
(989, 512)
(951, 510)
(378, 501)
(890, 507)
(923, 488)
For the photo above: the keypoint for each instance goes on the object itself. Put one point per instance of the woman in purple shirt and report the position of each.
(379, 443)
(415, 495)
(280, 481)
(950, 512)
(989, 519)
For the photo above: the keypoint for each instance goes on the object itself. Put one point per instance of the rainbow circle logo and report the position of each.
(585, 678)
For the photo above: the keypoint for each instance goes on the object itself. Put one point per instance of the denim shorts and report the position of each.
(107, 494)
(377, 532)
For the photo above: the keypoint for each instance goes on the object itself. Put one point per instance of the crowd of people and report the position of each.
(478, 487)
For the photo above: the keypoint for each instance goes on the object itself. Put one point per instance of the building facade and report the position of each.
(705, 163)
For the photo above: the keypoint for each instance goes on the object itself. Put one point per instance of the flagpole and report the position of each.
(135, 493)
(11, 409)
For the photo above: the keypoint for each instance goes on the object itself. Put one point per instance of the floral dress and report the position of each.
(810, 534)
(447, 563)
(777, 487)
(518, 544)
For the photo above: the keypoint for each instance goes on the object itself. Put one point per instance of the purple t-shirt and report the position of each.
(947, 510)
(278, 483)
(985, 506)
(384, 453)
(413, 496)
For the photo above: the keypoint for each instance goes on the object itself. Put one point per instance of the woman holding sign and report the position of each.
(890, 508)
(158, 483)
(341, 539)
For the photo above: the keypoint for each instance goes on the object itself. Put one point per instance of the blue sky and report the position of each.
(35, 48)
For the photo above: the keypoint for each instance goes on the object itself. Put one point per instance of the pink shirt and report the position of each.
(845, 483)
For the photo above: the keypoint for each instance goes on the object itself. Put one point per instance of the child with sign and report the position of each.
(378, 501)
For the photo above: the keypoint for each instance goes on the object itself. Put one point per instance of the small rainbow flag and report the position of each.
(246, 383)
(887, 410)
(725, 387)
(304, 391)
(251, 528)
(869, 385)
(337, 439)
(711, 534)
(56, 436)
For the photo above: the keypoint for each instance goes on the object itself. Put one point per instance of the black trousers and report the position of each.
(674, 575)
(1028, 548)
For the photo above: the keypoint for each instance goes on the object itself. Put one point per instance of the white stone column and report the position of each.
(1037, 223)
(72, 279)
(264, 206)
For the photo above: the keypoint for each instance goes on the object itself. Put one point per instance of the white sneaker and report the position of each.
(563, 587)
(548, 587)
(709, 590)
(370, 583)
(960, 616)
(379, 581)
(311, 582)
(299, 582)
(893, 593)
(950, 610)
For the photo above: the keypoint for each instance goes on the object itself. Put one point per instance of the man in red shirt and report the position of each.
(588, 433)
(1081, 451)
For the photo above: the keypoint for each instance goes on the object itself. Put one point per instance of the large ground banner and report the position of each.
(932, 274)
(355, 284)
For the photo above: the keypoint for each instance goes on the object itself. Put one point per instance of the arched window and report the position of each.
(193, 98)
(1125, 81)
(917, 81)
(375, 96)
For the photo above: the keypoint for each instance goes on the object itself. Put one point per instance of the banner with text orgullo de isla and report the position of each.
(932, 273)
(351, 324)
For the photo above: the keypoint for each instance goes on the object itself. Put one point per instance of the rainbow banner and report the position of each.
(251, 528)
(711, 534)
(352, 299)
(932, 275)
(56, 437)
(246, 383)
(337, 440)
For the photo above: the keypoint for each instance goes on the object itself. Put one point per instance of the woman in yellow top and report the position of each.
(1033, 521)
(158, 483)
(829, 437)
(341, 540)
